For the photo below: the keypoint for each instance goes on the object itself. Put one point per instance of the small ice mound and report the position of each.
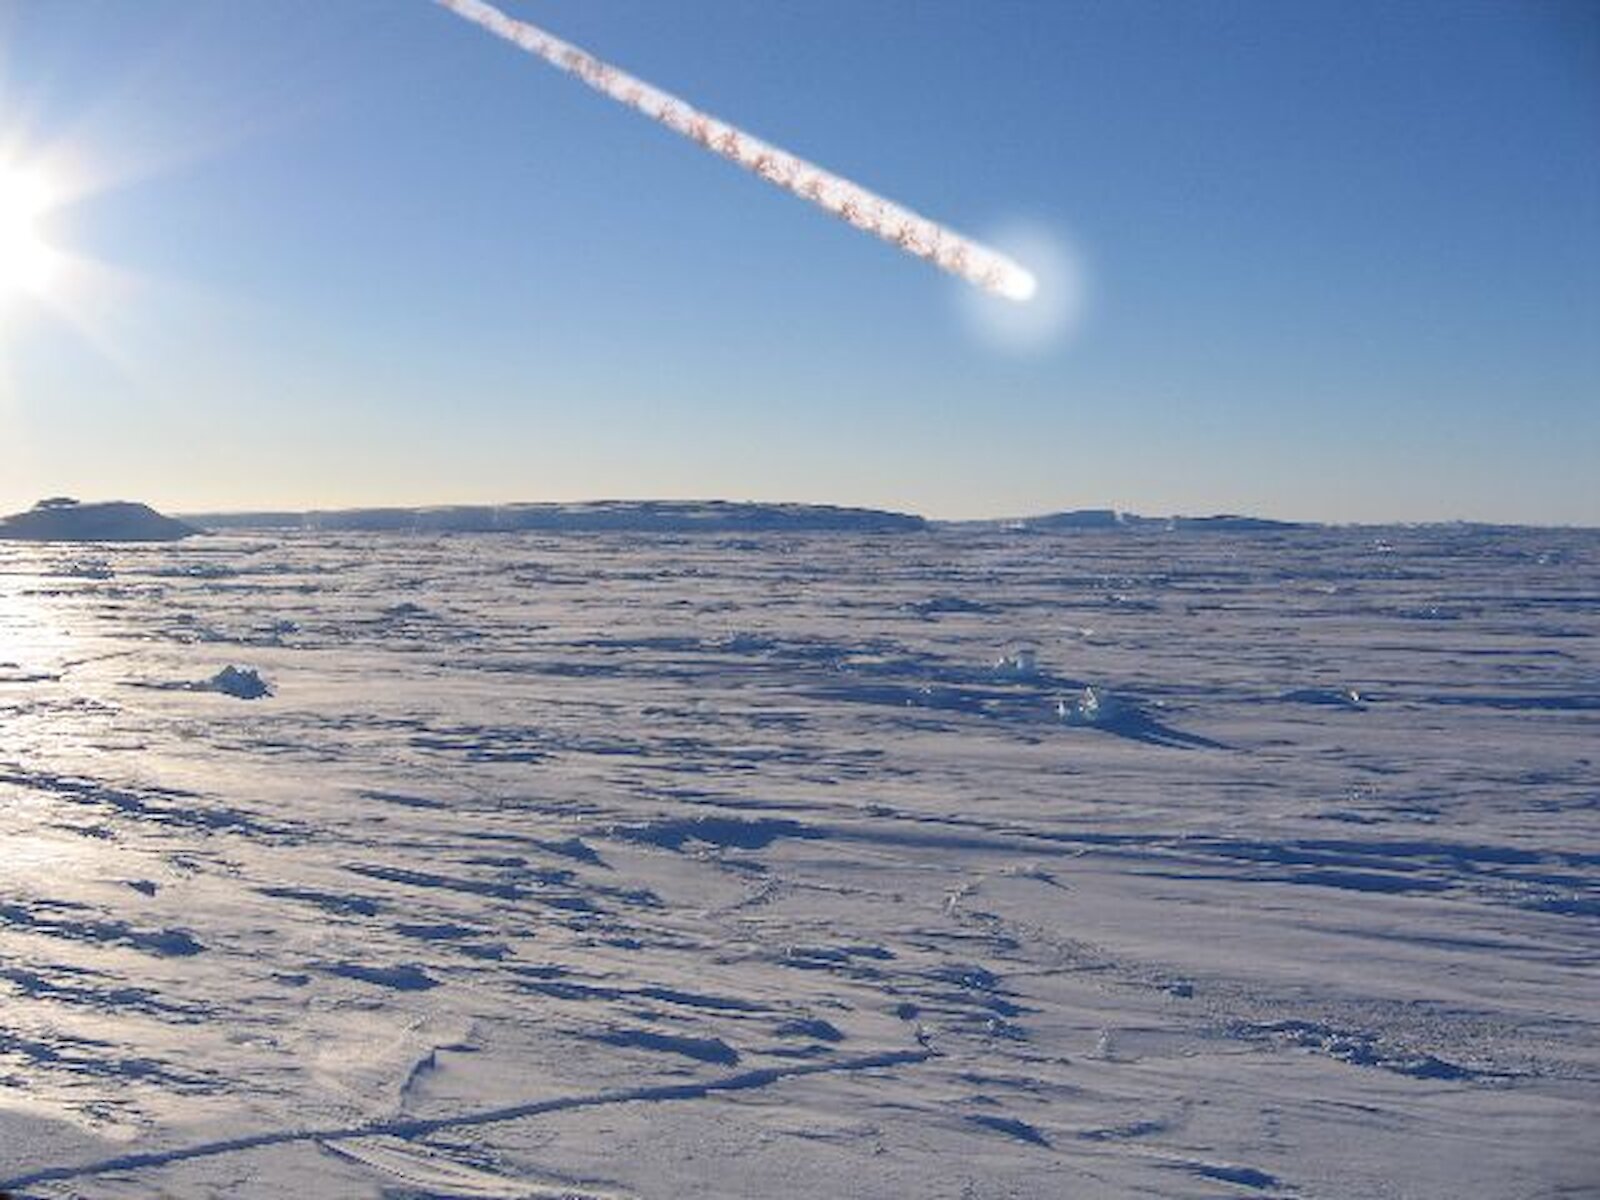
(945, 603)
(405, 610)
(1019, 662)
(1127, 717)
(243, 683)
(1092, 706)
(745, 643)
(85, 568)
(1329, 697)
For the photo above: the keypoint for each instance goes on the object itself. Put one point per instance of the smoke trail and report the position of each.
(871, 213)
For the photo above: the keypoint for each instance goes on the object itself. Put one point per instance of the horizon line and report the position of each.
(1111, 515)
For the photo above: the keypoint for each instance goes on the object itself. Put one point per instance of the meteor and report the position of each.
(851, 203)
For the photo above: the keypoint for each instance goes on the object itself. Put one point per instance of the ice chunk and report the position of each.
(1090, 707)
(242, 682)
(1329, 697)
(1020, 661)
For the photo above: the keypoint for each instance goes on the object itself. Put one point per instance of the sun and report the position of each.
(28, 264)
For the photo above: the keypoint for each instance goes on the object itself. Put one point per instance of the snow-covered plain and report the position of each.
(955, 864)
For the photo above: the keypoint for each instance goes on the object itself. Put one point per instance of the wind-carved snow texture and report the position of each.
(952, 863)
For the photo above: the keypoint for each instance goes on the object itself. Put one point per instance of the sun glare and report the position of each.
(27, 262)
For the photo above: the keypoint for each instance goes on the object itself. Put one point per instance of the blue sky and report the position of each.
(1344, 258)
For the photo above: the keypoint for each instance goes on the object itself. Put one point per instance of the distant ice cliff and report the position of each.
(604, 516)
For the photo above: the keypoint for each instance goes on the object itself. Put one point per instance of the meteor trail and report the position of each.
(867, 211)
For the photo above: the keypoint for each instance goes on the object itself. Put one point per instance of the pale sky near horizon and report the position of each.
(1343, 258)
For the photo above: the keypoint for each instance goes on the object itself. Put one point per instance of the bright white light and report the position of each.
(1056, 291)
(27, 263)
(24, 196)
(946, 249)
(1021, 285)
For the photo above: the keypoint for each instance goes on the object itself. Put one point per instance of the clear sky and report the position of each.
(1343, 258)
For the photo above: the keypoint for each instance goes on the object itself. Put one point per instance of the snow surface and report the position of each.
(954, 863)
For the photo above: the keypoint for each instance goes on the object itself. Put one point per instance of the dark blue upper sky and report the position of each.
(1344, 258)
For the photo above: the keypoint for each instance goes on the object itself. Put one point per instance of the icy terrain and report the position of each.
(63, 519)
(952, 863)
